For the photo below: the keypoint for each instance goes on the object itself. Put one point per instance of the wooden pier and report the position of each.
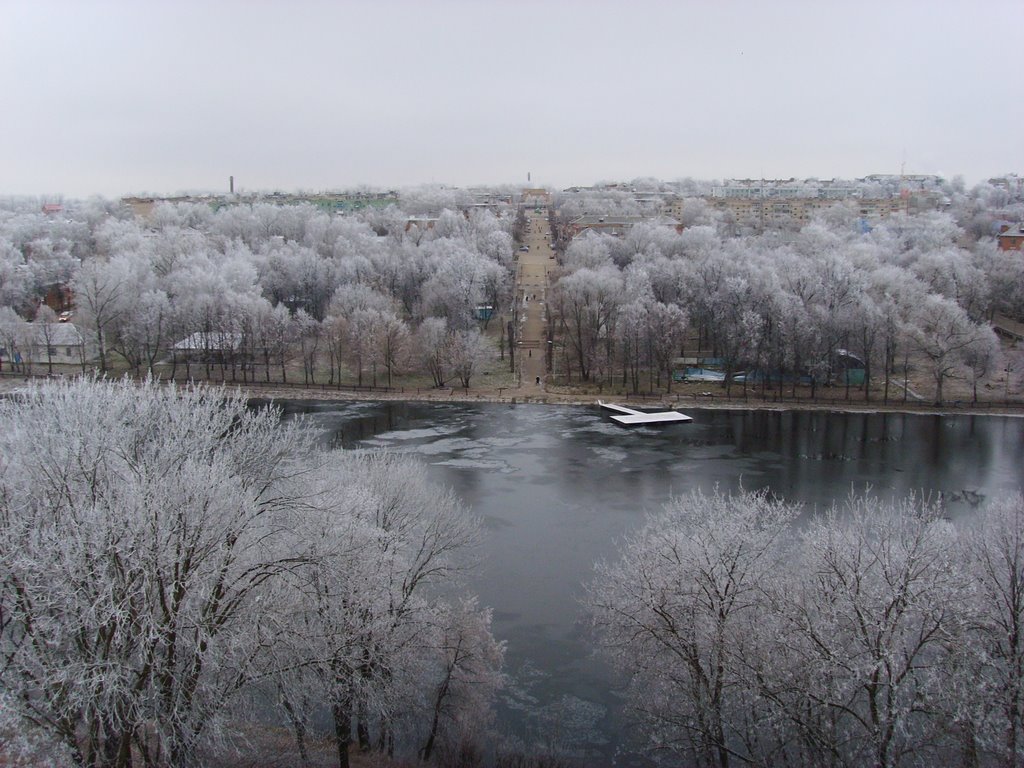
(629, 417)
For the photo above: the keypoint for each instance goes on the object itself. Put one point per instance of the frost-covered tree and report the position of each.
(23, 744)
(144, 333)
(169, 557)
(462, 280)
(856, 641)
(379, 542)
(16, 281)
(466, 661)
(137, 526)
(588, 251)
(376, 339)
(432, 348)
(10, 335)
(873, 626)
(982, 356)
(309, 332)
(103, 290)
(673, 611)
(298, 277)
(587, 302)
(467, 352)
(46, 333)
(941, 331)
(631, 329)
(995, 558)
(666, 327)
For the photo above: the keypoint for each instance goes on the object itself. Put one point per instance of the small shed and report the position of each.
(847, 368)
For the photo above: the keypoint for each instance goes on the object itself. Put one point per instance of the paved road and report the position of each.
(531, 294)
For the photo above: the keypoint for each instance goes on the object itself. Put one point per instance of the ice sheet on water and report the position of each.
(596, 425)
(571, 723)
(613, 455)
(467, 463)
(355, 408)
(495, 523)
(373, 443)
(463, 446)
(423, 433)
(459, 446)
(502, 442)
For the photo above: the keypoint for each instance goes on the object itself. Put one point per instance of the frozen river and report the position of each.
(558, 486)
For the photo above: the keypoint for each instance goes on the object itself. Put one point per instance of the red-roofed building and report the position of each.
(1011, 238)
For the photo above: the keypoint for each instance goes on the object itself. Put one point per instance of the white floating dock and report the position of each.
(629, 417)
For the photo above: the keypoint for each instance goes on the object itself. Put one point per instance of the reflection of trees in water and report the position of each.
(813, 456)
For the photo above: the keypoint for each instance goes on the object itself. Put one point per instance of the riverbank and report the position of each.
(683, 399)
(679, 401)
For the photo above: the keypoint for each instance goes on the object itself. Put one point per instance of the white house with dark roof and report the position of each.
(214, 346)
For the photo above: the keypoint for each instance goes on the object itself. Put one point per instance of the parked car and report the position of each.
(524, 248)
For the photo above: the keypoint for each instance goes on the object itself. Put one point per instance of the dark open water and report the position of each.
(558, 486)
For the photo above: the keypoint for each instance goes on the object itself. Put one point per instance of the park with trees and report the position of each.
(265, 292)
(421, 296)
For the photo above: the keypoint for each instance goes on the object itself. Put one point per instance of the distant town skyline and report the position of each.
(115, 98)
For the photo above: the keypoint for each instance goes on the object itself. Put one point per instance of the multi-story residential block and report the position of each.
(801, 210)
(331, 202)
(769, 202)
(759, 189)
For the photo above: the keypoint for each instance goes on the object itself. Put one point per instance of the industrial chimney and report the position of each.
(231, 184)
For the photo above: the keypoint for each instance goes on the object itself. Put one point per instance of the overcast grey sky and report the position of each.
(157, 96)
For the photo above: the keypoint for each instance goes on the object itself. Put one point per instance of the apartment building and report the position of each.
(802, 210)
